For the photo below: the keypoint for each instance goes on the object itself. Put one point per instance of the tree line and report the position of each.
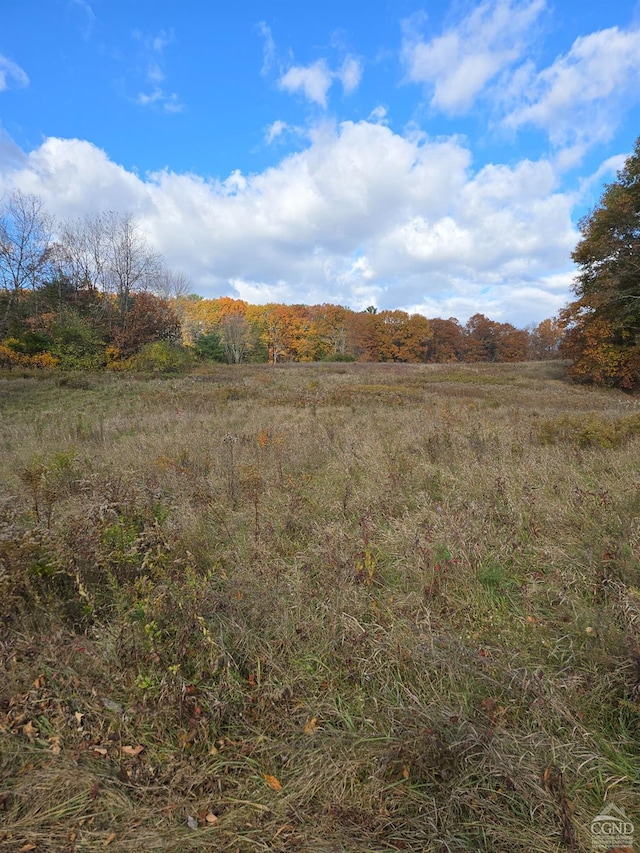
(232, 330)
(96, 295)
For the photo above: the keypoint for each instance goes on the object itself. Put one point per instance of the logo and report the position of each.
(611, 828)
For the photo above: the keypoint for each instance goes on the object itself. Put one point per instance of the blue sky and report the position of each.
(431, 156)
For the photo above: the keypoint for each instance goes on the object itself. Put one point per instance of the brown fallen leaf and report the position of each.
(111, 837)
(311, 726)
(211, 818)
(272, 782)
(100, 750)
(31, 732)
(26, 847)
(55, 744)
(132, 750)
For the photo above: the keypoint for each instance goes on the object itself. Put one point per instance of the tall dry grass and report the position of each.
(318, 608)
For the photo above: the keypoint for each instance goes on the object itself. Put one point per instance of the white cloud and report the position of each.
(378, 115)
(579, 98)
(152, 47)
(11, 75)
(269, 48)
(459, 64)
(90, 17)
(362, 216)
(350, 74)
(170, 103)
(315, 80)
(275, 129)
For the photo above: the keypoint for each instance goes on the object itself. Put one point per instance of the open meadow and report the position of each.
(324, 607)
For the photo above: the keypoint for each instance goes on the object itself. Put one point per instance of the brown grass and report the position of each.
(318, 608)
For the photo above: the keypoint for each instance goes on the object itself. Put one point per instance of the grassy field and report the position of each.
(318, 608)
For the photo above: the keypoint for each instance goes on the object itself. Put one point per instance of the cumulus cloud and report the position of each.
(315, 80)
(458, 64)
(11, 75)
(361, 216)
(579, 98)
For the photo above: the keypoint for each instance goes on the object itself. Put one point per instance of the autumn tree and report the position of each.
(545, 340)
(480, 339)
(447, 342)
(149, 319)
(332, 325)
(603, 324)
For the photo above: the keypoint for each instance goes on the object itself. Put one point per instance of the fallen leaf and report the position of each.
(211, 818)
(311, 726)
(56, 744)
(30, 731)
(132, 750)
(272, 782)
(26, 847)
(110, 705)
(39, 682)
(79, 717)
(192, 823)
(111, 837)
(99, 750)
(405, 772)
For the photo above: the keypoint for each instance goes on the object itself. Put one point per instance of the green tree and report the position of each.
(210, 348)
(603, 325)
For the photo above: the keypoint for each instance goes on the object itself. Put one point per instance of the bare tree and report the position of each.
(131, 265)
(235, 337)
(172, 284)
(25, 246)
(82, 252)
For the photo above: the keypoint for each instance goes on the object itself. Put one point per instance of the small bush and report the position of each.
(593, 431)
(162, 357)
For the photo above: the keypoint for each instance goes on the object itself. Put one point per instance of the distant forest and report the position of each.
(92, 294)
(97, 296)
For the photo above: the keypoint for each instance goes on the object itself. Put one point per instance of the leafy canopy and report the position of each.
(603, 325)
